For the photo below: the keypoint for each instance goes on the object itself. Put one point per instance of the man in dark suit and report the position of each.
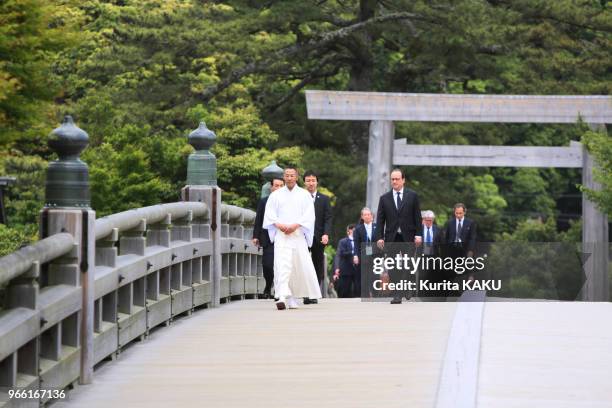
(460, 233)
(262, 239)
(398, 220)
(348, 271)
(322, 228)
(431, 251)
(460, 239)
(363, 237)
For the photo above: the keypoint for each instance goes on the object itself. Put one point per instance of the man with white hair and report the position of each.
(432, 235)
(363, 236)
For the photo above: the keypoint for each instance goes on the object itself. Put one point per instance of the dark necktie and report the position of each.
(399, 200)
(459, 231)
(428, 236)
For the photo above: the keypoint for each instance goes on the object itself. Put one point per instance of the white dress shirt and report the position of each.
(431, 233)
(457, 237)
(401, 195)
(368, 228)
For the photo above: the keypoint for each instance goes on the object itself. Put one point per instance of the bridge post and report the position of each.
(67, 209)
(202, 186)
(270, 172)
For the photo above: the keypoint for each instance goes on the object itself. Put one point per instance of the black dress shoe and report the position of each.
(396, 301)
(308, 301)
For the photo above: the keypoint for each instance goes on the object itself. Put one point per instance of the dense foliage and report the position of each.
(138, 76)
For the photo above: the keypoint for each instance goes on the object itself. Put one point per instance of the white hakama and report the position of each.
(294, 273)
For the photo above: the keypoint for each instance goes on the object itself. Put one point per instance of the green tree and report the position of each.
(599, 144)
(25, 198)
(32, 33)
(136, 92)
(536, 261)
(452, 47)
(11, 239)
(146, 72)
(121, 180)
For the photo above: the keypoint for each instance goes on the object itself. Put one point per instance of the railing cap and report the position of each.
(130, 219)
(19, 262)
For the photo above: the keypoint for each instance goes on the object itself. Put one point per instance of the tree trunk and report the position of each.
(361, 74)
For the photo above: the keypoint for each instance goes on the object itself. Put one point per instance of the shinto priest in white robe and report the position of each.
(294, 273)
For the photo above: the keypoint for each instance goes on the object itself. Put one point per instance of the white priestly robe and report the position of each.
(294, 273)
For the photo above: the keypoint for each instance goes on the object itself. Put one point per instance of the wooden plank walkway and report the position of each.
(348, 353)
(339, 353)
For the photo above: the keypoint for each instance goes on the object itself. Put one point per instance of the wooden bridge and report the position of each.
(162, 302)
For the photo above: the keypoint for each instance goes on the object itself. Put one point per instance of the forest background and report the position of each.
(138, 76)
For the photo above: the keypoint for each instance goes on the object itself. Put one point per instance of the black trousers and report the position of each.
(432, 273)
(357, 290)
(267, 261)
(455, 250)
(366, 276)
(347, 285)
(396, 276)
(316, 252)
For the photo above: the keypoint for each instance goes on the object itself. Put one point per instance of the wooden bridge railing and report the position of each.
(89, 287)
(242, 275)
(152, 264)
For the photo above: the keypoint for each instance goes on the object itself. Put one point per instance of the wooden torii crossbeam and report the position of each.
(487, 156)
(332, 105)
(381, 109)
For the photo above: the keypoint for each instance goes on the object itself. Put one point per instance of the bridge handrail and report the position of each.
(237, 215)
(15, 264)
(152, 264)
(241, 273)
(129, 219)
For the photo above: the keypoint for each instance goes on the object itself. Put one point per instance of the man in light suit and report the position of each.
(363, 236)
(398, 220)
(322, 228)
(262, 239)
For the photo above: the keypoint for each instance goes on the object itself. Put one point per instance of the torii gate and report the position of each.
(382, 109)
